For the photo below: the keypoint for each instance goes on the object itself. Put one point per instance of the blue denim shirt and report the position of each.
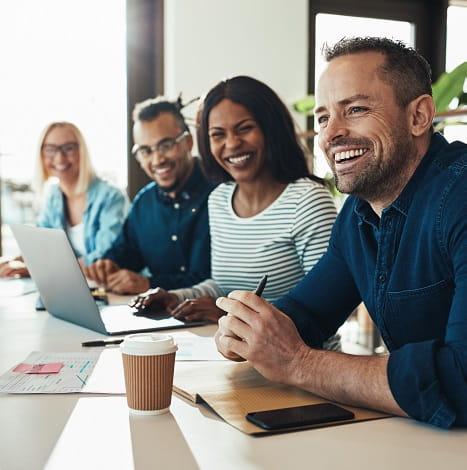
(168, 237)
(410, 269)
(106, 207)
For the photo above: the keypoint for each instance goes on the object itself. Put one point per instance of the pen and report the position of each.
(261, 285)
(101, 342)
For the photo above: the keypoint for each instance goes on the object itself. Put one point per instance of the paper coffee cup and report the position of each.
(148, 365)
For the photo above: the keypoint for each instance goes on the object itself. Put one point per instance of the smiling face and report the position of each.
(236, 141)
(65, 163)
(171, 169)
(363, 132)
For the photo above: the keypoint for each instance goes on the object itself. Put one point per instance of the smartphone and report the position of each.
(299, 416)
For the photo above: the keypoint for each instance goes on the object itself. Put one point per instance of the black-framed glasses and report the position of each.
(68, 149)
(143, 152)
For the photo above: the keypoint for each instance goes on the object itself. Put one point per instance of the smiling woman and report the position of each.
(49, 73)
(269, 214)
(89, 209)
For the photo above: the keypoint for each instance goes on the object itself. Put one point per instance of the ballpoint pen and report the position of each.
(101, 342)
(261, 285)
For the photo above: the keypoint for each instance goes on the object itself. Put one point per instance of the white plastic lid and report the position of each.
(148, 344)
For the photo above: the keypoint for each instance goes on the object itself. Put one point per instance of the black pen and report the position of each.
(101, 342)
(261, 285)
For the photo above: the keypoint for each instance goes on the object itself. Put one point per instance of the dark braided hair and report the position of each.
(151, 108)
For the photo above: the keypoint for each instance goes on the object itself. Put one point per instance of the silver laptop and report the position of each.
(65, 292)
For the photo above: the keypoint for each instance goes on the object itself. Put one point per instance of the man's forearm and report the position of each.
(353, 380)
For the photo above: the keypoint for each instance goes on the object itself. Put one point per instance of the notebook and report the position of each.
(65, 292)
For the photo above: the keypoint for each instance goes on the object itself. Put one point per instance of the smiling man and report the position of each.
(398, 245)
(165, 239)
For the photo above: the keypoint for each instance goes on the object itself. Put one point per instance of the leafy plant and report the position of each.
(450, 85)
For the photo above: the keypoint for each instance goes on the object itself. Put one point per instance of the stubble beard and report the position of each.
(384, 179)
(181, 178)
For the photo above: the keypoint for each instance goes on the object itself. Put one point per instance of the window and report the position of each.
(455, 55)
(331, 28)
(61, 60)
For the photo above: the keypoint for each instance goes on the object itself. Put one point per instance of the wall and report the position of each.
(207, 40)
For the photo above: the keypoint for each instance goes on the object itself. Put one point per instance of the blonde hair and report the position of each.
(86, 170)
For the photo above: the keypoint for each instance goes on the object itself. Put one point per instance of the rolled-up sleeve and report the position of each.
(429, 379)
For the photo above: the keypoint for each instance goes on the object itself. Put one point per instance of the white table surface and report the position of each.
(97, 432)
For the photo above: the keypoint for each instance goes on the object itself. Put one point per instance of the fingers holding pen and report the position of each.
(242, 321)
(228, 344)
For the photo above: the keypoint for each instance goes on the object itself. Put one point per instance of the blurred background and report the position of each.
(90, 61)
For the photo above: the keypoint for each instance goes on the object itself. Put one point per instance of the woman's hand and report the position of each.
(153, 300)
(13, 268)
(201, 308)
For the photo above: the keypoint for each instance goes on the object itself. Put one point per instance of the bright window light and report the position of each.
(63, 60)
(331, 28)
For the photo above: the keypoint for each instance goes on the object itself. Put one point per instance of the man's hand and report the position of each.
(13, 268)
(100, 270)
(125, 282)
(260, 333)
(154, 299)
(201, 308)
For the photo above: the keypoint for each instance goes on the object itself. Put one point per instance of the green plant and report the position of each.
(449, 86)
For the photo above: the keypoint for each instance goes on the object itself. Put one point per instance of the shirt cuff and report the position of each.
(415, 384)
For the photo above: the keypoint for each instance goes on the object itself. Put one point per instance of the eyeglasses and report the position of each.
(68, 149)
(143, 152)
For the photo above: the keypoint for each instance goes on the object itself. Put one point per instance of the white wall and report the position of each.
(208, 40)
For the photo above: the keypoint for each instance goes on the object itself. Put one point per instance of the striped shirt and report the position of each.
(284, 241)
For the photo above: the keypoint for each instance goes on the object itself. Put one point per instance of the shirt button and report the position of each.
(382, 277)
(193, 209)
(182, 269)
(174, 238)
(176, 205)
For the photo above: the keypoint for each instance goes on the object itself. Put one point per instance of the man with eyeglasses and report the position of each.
(165, 238)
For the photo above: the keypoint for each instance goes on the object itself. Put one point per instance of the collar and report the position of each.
(402, 203)
(364, 211)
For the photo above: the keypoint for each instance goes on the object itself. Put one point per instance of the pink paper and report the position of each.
(50, 368)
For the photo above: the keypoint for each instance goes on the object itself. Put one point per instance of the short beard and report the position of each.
(381, 180)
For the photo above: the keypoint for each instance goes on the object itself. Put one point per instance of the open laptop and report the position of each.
(64, 290)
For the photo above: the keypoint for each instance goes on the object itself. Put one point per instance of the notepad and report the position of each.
(234, 389)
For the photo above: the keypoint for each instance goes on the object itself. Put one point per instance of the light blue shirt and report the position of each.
(105, 212)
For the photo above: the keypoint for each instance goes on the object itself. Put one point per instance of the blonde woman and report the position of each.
(89, 209)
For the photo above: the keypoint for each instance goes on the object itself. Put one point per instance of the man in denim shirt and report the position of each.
(398, 245)
(165, 239)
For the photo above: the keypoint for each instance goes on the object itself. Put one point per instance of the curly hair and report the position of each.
(151, 108)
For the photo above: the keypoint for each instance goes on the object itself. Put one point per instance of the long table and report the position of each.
(97, 432)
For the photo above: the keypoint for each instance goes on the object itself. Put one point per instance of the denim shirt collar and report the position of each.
(364, 211)
(188, 190)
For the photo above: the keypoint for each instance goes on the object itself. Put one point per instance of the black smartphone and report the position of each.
(299, 416)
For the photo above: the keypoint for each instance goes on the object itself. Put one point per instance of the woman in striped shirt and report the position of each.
(268, 215)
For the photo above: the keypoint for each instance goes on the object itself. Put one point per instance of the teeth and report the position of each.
(160, 171)
(239, 159)
(61, 167)
(341, 156)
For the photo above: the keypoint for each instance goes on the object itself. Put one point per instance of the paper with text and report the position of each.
(72, 377)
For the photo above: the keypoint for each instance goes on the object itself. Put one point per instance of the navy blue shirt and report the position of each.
(410, 269)
(167, 236)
